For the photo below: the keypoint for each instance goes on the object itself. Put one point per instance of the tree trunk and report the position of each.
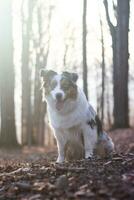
(119, 35)
(8, 129)
(121, 111)
(26, 77)
(103, 73)
(108, 106)
(84, 42)
(39, 109)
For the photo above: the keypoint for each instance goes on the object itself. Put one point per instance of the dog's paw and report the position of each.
(89, 158)
(88, 155)
(60, 159)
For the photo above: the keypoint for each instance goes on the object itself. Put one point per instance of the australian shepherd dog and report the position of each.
(77, 128)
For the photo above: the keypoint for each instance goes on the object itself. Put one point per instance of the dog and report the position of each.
(77, 128)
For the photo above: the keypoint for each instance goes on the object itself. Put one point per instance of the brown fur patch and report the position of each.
(69, 88)
(74, 148)
(50, 85)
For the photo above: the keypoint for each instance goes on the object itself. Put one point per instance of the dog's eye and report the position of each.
(65, 86)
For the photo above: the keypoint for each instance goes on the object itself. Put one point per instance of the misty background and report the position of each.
(92, 38)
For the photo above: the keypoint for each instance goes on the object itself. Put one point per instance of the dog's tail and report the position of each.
(105, 144)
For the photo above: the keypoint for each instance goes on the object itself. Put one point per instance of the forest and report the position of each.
(93, 39)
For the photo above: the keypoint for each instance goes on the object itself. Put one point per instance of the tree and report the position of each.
(26, 74)
(119, 35)
(8, 129)
(109, 121)
(69, 47)
(84, 41)
(103, 72)
(41, 47)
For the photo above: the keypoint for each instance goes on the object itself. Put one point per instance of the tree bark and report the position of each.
(103, 73)
(84, 42)
(8, 129)
(121, 117)
(26, 76)
(119, 35)
(39, 109)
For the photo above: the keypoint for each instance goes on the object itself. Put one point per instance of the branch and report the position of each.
(20, 170)
(111, 26)
(115, 10)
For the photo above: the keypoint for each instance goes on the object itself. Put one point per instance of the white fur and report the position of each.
(57, 89)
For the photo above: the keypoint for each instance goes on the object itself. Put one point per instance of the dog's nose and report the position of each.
(58, 96)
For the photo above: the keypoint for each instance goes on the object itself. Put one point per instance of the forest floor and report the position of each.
(31, 174)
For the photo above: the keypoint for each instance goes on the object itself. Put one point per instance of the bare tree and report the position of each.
(26, 74)
(119, 35)
(108, 106)
(98, 96)
(8, 129)
(69, 45)
(42, 52)
(103, 72)
(84, 42)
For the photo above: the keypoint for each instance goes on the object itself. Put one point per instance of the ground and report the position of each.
(31, 174)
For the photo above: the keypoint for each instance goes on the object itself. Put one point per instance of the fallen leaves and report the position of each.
(23, 186)
(62, 182)
(128, 177)
(71, 169)
(86, 179)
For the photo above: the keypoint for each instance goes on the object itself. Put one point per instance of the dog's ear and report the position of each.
(72, 76)
(47, 74)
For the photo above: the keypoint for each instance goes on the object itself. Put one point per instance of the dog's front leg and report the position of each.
(90, 139)
(60, 144)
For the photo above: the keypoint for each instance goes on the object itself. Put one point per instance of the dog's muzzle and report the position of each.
(59, 101)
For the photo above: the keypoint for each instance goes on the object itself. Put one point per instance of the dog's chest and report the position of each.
(75, 130)
(70, 121)
(73, 133)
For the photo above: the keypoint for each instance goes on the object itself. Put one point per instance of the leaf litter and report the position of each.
(24, 178)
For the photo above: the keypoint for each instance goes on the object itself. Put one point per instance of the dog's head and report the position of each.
(59, 88)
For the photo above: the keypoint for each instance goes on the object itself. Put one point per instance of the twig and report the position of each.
(15, 172)
(73, 169)
(107, 163)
